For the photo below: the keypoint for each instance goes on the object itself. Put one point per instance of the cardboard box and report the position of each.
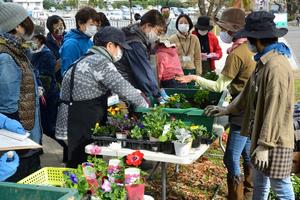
(296, 163)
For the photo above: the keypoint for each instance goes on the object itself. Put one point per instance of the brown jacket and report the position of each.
(268, 103)
(188, 47)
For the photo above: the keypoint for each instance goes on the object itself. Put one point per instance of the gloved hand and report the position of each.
(7, 167)
(11, 125)
(164, 94)
(261, 158)
(215, 111)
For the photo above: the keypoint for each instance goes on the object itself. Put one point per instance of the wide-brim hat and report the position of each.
(204, 23)
(260, 25)
(232, 19)
(111, 34)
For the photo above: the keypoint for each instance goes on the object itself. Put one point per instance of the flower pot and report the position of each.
(196, 142)
(182, 149)
(135, 192)
(132, 174)
(121, 136)
(155, 144)
(167, 147)
(114, 170)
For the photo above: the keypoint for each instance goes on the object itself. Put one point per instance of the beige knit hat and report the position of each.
(11, 15)
(232, 19)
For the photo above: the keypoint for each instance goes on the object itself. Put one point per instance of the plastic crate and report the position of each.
(46, 176)
(191, 115)
(14, 191)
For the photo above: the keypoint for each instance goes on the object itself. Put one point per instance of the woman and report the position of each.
(209, 44)
(188, 46)
(56, 26)
(44, 61)
(135, 65)
(85, 90)
(103, 20)
(168, 65)
(238, 68)
(18, 88)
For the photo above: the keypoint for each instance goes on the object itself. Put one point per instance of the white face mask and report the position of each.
(183, 28)
(225, 37)
(202, 32)
(91, 30)
(252, 47)
(118, 56)
(152, 36)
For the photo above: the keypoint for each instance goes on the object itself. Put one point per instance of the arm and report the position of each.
(108, 75)
(197, 57)
(160, 66)
(69, 52)
(216, 86)
(142, 70)
(216, 48)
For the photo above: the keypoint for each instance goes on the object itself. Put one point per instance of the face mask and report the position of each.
(59, 31)
(118, 56)
(202, 33)
(225, 37)
(91, 30)
(152, 36)
(183, 28)
(252, 47)
(34, 46)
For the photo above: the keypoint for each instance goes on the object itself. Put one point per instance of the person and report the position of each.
(85, 90)
(168, 64)
(238, 68)
(170, 28)
(209, 44)
(77, 41)
(137, 17)
(18, 87)
(134, 65)
(188, 45)
(298, 20)
(103, 20)
(44, 61)
(268, 104)
(57, 30)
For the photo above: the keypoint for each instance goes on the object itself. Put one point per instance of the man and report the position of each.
(85, 89)
(170, 28)
(268, 103)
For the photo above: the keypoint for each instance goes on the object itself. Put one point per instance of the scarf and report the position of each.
(236, 44)
(278, 47)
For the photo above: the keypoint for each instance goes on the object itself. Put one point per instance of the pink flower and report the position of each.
(95, 150)
(106, 186)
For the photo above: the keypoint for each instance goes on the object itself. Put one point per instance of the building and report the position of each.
(30, 5)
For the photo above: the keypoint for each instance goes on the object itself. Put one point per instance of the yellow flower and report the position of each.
(110, 109)
(117, 109)
(172, 99)
(113, 112)
(192, 128)
(97, 125)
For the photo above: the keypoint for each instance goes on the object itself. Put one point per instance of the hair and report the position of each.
(100, 43)
(187, 18)
(164, 7)
(54, 19)
(85, 14)
(137, 16)
(41, 38)
(28, 26)
(263, 41)
(103, 19)
(154, 18)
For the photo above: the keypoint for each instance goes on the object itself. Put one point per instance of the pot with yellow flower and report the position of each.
(197, 131)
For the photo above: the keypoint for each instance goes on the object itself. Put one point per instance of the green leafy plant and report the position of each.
(154, 122)
(198, 130)
(296, 186)
(138, 132)
(211, 76)
(106, 130)
(177, 101)
(201, 97)
(99, 164)
(76, 179)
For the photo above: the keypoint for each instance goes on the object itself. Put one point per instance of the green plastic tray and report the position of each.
(14, 191)
(191, 115)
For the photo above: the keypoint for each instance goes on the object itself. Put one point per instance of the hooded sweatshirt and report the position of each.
(168, 63)
(135, 66)
(75, 44)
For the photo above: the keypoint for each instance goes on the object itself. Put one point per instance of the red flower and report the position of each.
(135, 158)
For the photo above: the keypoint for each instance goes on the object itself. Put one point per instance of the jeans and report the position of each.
(282, 187)
(237, 145)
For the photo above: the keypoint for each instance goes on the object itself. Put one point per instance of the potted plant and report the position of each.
(197, 131)
(183, 141)
(201, 98)
(177, 101)
(138, 132)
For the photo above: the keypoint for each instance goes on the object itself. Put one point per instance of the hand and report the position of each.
(164, 94)
(186, 79)
(8, 168)
(261, 159)
(215, 111)
(204, 56)
(40, 91)
(14, 126)
(213, 56)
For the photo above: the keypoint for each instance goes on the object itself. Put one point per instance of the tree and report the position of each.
(212, 9)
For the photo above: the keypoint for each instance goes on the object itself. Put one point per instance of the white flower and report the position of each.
(115, 146)
(83, 67)
(167, 128)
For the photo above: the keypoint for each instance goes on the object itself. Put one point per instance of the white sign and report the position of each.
(281, 20)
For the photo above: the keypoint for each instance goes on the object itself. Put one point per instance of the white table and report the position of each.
(158, 157)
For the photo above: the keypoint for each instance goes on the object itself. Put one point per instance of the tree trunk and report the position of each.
(201, 5)
(210, 7)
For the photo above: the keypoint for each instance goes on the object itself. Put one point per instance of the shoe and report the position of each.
(235, 188)
(248, 183)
